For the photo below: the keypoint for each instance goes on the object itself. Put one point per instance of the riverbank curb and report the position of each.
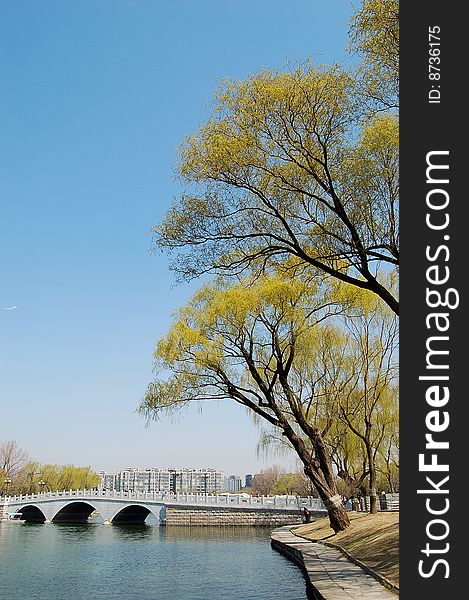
(382, 580)
(331, 574)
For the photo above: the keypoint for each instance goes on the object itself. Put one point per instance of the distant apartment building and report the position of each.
(248, 480)
(234, 483)
(204, 481)
(142, 480)
(107, 481)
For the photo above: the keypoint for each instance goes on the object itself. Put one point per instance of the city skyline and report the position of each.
(186, 480)
(96, 97)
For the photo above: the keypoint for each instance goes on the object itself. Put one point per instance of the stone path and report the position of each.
(330, 573)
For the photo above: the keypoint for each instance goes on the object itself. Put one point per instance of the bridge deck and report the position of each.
(76, 506)
(219, 500)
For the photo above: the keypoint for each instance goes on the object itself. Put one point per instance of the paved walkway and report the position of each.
(330, 573)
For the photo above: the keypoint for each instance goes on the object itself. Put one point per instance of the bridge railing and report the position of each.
(287, 502)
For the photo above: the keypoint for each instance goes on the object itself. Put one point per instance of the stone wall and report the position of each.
(193, 515)
(3, 510)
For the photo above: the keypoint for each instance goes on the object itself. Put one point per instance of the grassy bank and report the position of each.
(372, 539)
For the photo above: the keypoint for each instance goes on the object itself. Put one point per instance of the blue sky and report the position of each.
(95, 97)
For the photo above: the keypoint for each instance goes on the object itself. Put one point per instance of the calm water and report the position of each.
(78, 562)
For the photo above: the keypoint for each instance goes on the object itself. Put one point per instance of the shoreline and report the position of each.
(330, 573)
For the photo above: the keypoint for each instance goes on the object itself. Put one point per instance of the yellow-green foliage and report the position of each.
(35, 477)
(269, 318)
(255, 120)
(302, 164)
(375, 37)
(68, 477)
(218, 313)
(288, 165)
(208, 335)
(375, 34)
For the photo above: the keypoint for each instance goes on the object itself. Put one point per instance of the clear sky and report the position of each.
(95, 97)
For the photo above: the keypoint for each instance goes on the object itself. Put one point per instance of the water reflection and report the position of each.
(134, 532)
(214, 533)
(108, 562)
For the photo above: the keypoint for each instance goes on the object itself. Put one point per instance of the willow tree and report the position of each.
(368, 405)
(388, 459)
(350, 373)
(349, 458)
(66, 477)
(324, 368)
(374, 37)
(300, 164)
(289, 166)
(250, 344)
(28, 478)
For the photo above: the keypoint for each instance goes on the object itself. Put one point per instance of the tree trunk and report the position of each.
(319, 471)
(336, 512)
(338, 518)
(373, 494)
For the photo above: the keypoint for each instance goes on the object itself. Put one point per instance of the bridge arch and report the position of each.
(73, 512)
(135, 514)
(32, 514)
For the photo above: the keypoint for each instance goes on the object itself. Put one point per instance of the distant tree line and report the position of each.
(20, 474)
(277, 481)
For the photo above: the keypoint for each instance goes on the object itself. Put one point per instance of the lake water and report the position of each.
(108, 562)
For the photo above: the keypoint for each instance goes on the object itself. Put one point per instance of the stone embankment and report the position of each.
(194, 515)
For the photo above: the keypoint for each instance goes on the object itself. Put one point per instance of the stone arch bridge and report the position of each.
(76, 506)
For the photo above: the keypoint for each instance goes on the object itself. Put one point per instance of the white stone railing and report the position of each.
(286, 502)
